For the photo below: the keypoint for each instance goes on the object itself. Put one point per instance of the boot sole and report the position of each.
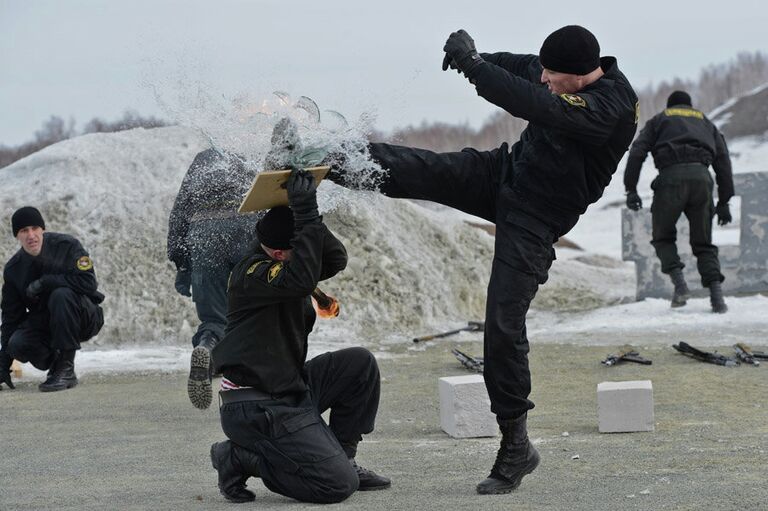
(199, 383)
(511, 485)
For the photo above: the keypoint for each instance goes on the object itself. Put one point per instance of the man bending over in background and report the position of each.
(684, 143)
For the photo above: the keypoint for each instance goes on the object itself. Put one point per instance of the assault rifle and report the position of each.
(627, 354)
(705, 356)
(468, 361)
(472, 326)
(748, 356)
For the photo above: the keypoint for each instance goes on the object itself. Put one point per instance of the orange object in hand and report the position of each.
(326, 306)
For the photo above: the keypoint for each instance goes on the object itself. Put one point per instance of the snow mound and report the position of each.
(411, 268)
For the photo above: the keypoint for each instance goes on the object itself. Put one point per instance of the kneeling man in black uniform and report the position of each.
(271, 396)
(49, 302)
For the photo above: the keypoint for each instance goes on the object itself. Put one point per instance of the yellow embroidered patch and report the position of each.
(273, 271)
(574, 100)
(683, 112)
(84, 263)
(637, 112)
(253, 267)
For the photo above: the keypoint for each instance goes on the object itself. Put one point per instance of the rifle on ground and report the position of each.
(705, 356)
(746, 355)
(627, 354)
(468, 361)
(472, 326)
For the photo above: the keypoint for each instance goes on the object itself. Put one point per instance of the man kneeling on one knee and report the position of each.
(271, 396)
(49, 302)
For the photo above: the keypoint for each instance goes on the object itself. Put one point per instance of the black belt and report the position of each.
(237, 395)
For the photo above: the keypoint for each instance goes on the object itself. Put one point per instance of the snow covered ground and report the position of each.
(414, 269)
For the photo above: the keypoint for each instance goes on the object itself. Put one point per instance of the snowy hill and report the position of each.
(411, 268)
(744, 116)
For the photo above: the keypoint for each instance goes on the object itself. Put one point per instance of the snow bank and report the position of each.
(411, 268)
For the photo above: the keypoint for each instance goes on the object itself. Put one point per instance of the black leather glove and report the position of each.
(183, 282)
(723, 213)
(302, 197)
(35, 289)
(633, 201)
(461, 54)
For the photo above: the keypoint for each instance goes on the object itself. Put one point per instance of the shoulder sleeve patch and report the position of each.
(274, 271)
(637, 112)
(574, 99)
(252, 268)
(84, 263)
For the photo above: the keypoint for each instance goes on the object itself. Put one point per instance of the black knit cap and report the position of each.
(26, 217)
(275, 229)
(572, 49)
(679, 97)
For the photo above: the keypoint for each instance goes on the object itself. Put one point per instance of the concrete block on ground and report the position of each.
(625, 406)
(465, 409)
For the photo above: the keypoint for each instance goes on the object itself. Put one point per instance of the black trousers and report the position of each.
(69, 319)
(685, 189)
(216, 245)
(477, 182)
(299, 455)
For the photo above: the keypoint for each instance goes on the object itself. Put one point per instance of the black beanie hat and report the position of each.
(679, 97)
(572, 49)
(275, 229)
(26, 217)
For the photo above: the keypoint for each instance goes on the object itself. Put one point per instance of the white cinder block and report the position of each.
(624, 406)
(465, 410)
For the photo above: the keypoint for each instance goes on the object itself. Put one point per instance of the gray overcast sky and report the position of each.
(97, 58)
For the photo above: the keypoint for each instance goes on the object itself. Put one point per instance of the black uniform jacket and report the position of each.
(270, 313)
(681, 134)
(214, 182)
(62, 262)
(573, 143)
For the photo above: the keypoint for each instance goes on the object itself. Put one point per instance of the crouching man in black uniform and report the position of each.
(49, 302)
(582, 117)
(271, 396)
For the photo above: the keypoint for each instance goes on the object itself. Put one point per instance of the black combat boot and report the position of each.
(5, 370)
(199, 383)
(681, 293)
(234, 465)
(369, 480)
(62, 374)
(516, 458)
(716, 298)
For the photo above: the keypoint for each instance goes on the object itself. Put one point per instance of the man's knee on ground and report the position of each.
(339, 488)
(16, 347)
(22, 348)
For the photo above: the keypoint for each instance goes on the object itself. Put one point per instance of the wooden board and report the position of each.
(267, 189)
